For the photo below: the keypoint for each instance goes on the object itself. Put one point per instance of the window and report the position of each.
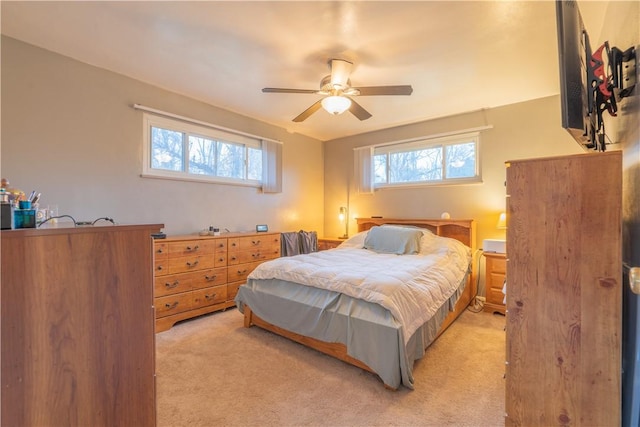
(180, 150)
(453, 159)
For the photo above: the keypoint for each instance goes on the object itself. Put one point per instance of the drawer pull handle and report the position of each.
(192, 264)
(159, 268)
(171, 306)
(210, 297)
(233, 258)
(159, 251)
(210, 278)
(171, 285)
(193, 249)
(242, 271)
(255, 242)
(233, 244)
(220, 259)
(221, 245)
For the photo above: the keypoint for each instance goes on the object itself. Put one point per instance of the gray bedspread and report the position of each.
(369, 331)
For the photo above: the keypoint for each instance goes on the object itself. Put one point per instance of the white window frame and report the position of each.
(422, 143)
(151, 120)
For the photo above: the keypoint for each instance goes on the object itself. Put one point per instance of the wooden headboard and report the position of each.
(463, 230)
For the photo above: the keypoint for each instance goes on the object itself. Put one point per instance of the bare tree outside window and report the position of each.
(166, 149)
(202, 156)
(416, 166)
(461, 160)
(429, 161)
(191, 150)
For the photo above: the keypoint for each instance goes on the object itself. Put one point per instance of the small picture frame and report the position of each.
(262, 228)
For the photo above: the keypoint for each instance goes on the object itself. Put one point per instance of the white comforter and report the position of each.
(411, 287)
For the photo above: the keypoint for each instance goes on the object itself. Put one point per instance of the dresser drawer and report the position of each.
(242, 257)
(259, 242)
(161, 267)
(240, 272)
(173, 304)
(220, 259)
(190, 263)
(232, 290)
(208, 278)
(209, 296)
(171, 284)
(495, 296)
(191, 247)
(160, 250)
(498, 265)
(495, 280)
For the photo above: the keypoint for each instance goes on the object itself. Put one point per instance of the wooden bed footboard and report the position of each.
(339, 350)
(462, 230)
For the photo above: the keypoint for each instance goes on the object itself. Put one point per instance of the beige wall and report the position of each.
(525, 130)
(68, 130)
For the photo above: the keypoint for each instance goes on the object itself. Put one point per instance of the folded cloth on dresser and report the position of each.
(289, 244)
(298, 242)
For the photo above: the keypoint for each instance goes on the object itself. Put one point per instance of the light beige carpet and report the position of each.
(211, 371)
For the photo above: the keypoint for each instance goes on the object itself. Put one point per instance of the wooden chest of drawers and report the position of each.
(195, 275)
(325, 243)
(495, 273)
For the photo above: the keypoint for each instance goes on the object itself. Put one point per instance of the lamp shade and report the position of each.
(343, 213)
(336, 104)
(502, 221)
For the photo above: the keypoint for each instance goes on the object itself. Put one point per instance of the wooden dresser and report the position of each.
(195, 275)
(564, 291)
(78, 343)
(325, 243)
(495, 273)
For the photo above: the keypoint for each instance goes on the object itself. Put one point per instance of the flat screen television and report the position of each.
(573, 51)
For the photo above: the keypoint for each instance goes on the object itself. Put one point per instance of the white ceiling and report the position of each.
(458, 56)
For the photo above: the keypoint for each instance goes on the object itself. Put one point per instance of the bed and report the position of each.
(368, 307)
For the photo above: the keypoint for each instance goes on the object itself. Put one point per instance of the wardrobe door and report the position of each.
(564, 290)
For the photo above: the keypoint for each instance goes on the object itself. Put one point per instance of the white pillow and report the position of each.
(355, 241)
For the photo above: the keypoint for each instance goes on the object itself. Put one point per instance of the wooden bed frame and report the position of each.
(462, 230)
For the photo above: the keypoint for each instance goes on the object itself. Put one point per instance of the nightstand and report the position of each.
(495, 273)
(328, 243)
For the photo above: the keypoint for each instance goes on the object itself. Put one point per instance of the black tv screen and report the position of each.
(573, 51)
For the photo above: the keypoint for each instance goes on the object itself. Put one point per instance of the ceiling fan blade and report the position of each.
(309, 111)
(340, 71)
(282, 90)
(357, 110)
(385, 90)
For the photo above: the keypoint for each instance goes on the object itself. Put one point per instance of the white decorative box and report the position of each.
(494, 245)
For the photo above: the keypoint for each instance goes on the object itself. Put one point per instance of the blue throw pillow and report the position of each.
(393, 240)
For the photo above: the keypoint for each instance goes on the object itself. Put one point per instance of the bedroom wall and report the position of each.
(69, 131)
(524, 130)
(621, 28)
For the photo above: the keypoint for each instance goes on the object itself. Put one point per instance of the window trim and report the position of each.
(198, 129)
(443, 140)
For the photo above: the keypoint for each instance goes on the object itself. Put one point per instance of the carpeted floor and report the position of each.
(211, 371)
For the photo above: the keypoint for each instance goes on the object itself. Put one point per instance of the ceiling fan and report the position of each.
(338, 91)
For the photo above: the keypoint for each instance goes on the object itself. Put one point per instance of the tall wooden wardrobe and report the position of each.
(78, 341)
(564, 291)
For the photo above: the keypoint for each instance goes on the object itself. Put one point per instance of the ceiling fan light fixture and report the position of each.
(336, 104)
